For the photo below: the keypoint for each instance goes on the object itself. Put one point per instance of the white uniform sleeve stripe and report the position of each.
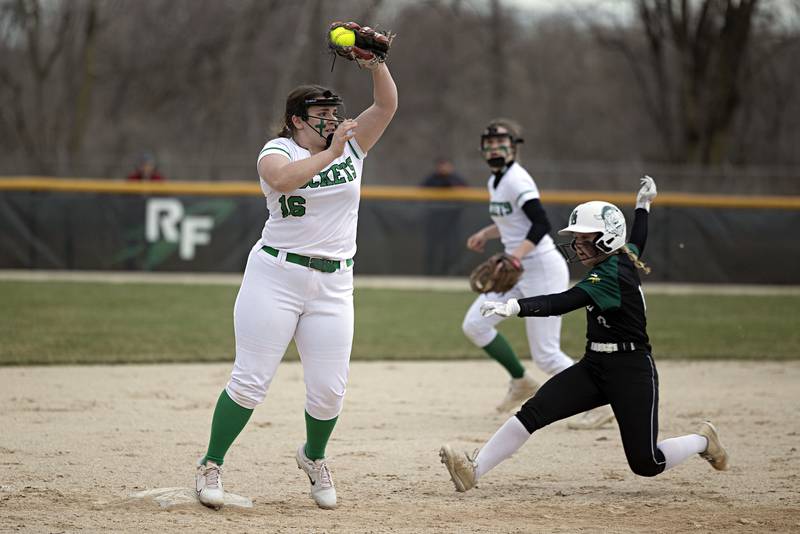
(355, 152)
(275, 148)
(525, 196)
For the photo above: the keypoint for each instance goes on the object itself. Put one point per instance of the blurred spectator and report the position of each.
(444, 176)
(146, 170)
(442, 222)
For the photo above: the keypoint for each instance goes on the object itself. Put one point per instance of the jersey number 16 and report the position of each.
(292, 206)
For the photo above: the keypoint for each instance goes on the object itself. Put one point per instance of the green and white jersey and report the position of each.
(618, 312)
(516, 187)
(320, 218)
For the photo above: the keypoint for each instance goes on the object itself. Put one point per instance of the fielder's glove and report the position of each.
(503, 309)
(370, 49)
(498, 274)
(646, 193)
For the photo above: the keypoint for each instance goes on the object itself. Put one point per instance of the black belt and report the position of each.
(320, 264)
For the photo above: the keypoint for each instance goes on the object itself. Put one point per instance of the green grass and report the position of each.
(67, 322)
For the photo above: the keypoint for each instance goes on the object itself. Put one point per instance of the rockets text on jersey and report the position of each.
(515, 188)
(320, 218)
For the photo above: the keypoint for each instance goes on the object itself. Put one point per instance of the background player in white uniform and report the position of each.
(298, 282)
(522, 225)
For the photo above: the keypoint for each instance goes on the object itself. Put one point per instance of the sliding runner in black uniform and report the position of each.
(617, 369)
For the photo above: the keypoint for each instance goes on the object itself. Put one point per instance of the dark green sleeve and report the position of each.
(633, 248)
(602, 285)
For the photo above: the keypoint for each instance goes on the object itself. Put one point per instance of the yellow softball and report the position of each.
(343, 37)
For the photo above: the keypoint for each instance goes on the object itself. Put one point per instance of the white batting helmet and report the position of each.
(598, 216)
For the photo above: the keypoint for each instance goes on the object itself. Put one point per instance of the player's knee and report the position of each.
(645, 466)
(325, 403)
(468, 327)
(245, 394)
(477, 331)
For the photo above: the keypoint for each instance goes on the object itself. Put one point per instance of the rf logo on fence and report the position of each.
(165, 218)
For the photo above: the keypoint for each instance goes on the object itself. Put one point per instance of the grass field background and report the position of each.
(82, 322)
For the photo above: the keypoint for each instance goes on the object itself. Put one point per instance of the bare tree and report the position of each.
(39, 45)
(84, 90)
(498, 58)
(689, 69)
(85, 63)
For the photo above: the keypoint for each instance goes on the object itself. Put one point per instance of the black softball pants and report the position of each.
(628, 381)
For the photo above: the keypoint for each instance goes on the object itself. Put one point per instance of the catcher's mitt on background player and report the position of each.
(365, 46)
(499, 273)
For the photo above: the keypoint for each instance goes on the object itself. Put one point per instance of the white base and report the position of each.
(172, 497)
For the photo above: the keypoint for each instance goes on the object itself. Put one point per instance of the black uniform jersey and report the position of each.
(610, 292)
(617, 312)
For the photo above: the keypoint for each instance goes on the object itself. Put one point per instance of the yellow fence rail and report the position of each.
(465, 194)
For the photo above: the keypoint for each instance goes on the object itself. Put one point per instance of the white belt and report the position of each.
(613, 347)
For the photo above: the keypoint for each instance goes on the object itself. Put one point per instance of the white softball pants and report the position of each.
(279, 301)
(544, 274)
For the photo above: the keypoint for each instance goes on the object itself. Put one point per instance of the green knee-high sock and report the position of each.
(317, 434)
(228, 421)
(501, 350)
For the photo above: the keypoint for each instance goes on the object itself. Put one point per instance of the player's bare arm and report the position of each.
(540, 226)
(285, 176)
(477, 241)
(374, 120)
(524, 248)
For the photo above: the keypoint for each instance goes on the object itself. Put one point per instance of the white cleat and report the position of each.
(209, 484)
(460, 466)
(592, 419)
(322, 490)
(519, 390)
(715, 453)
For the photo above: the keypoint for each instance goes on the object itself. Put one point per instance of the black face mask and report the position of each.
(570, 251)
(320, 127)
(500, 161)
(327, 98)
(496, 163)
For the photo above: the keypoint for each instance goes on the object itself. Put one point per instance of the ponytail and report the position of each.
(284, 131)
(635, 259)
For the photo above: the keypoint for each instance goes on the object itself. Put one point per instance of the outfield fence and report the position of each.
(85, 224)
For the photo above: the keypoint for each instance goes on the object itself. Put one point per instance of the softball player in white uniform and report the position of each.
(522, 225)
(298, 283)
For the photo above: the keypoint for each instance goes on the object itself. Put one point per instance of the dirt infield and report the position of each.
(76, 442)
